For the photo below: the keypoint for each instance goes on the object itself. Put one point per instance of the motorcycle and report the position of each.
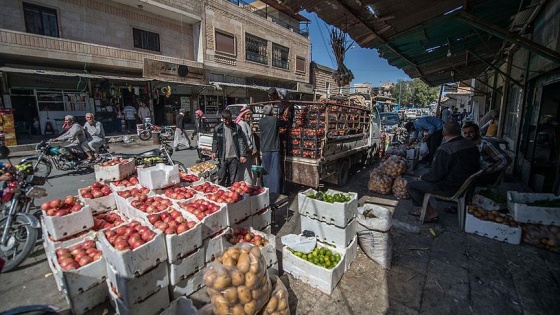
(161, 154)
(50, 156)
(18, 227)
(166, 132)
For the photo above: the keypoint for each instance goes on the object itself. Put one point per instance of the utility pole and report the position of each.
(400, 93)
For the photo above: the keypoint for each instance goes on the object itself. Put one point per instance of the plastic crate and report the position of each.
(329, 233)
(115, 172)
(493, 230)
(337, 213)
(188, 286)
(521, 212)
(262, 219)
(154, 304)
(159, 176)
(134, 290)
(60, 227)
(84, 302)
(181, 268)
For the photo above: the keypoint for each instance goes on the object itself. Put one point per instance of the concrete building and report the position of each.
(323, 82)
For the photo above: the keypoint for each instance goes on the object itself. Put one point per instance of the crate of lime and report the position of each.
(332, 207)
(534, 208)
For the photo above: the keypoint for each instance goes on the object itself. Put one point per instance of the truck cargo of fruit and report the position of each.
(324, 139)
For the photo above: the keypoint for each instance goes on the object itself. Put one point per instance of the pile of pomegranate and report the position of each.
(78, 256)
(61, 207)
(171, 222)
(129, 236)
(96, 190)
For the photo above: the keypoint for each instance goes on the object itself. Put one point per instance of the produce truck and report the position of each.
(324, 139)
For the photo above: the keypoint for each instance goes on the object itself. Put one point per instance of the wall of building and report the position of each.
(322, 75)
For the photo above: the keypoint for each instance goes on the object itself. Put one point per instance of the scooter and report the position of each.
(166, 132)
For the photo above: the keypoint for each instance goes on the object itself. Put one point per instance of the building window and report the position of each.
(255, 49)
(40, 20)
(280, 56)
(225, 43)
(145, 40)
(300, 64)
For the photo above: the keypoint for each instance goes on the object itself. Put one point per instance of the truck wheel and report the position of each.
(344, 173)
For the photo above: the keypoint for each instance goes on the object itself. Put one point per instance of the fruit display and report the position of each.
(188, 178)
(311, 132)
(133, 192)
(320, 256)
(395, 166)
(278, 302)
(61, 207)
(200, 208)
(150, 161)
(171, 222)
(96, 190)
(495, 216)
(241, 235)
(26, 168)
(238, 282)
(323, 196)
(131, 181)
(399, 188)
(179, 193)
(78, 255)
(202, 167)
(129, 236)
(206, 188)
(106, 221)
(380, 183)
(310, 154)
(224, 196)
(543, 236)
(244, 188)
(151, 204)
(115, 161)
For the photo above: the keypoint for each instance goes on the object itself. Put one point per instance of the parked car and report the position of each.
(413, 113)
(389, 121)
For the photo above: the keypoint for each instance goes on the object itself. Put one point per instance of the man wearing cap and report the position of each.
(270, 148)
(228, 145)
(434, 127)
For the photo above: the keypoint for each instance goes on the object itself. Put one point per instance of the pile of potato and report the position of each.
(395, 150)
(238, 282)
(399, 188)
(380, 183)
(544, 236)
(495, 216)
(278, 303)
(395, 166)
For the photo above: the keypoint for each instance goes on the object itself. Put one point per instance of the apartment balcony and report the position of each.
(19, 47)
(186, 11)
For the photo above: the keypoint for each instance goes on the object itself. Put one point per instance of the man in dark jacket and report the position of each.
(228, 145)
(454, 161)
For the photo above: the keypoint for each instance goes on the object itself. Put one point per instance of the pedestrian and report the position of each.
(181, 136)
(129, 113)
(454, 161)
(245, 173)
(455, 116)
(95, 135)
(118, 118)
(198, 127)
(433, 126)
(228, 146)
(144, 114)
(269, 127)
(445, 114)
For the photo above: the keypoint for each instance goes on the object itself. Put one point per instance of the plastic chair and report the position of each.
(459, 197)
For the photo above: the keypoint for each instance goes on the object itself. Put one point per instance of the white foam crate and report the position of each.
(178, 245)
(84, 302)
(120, 214)
(51, 257)
(268, 251)
(115, 172)
(51, 245)
(188, 286)
(318, 277)
(123, 204)
(137, 213)
(484, 202)
(181, 268)
(521, 212)
(336, 213)
(350, 253)
(133, 290)
(267, 230)
(238, 211)
(247, 223)
(262, 219)
(101, 204)
(215, 246)
(213, 223)
(154, 304)
(77, 281)
(121, 188)
(180, 306)
(329, 233)
(159, 176)
(260, 201)
(60, 227)
(493, 230)
(130, 263)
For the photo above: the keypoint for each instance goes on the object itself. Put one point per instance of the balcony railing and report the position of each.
(280, 64)
(251, 56)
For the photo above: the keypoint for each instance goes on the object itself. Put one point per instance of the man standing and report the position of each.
(181, 136)
(245, 172)
(492, 159)
(198, 128)
(129, 113)
(445, 115)
(433, 126)
(95, 134)
(144, 113)
(76, 137)
(270, 147)
(229, 147)
(454, 161)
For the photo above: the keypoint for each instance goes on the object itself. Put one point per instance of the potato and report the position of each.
(220, 305)
(251, 280)
(256, 253)
(222, 281)
(272, 304)
(243, 264)
(244, 294)
(230, 294)
(238, 310)
(256, 267)
(250, 308)
(210, 276)
(282, 304)
(237, 278)
(229, 261)
(235, 254)
(256, 293)
(212, 291)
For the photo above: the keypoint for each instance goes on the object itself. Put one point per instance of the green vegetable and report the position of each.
(323, 257)
(494, 196)
(554, 203)
(323, 196)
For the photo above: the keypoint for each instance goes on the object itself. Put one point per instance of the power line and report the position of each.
(323, 38)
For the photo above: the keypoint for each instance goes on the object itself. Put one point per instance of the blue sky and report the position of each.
(366, 65)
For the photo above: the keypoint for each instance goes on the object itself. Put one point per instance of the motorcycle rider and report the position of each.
(77, 140)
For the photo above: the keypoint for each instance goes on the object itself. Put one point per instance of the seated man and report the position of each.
(492, 159)
(75, 136)
(454, 161)
(433, 126)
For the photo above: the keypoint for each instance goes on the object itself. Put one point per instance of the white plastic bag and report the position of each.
(373, 233)
(424, 149)
(300, 243)
(375, 218)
